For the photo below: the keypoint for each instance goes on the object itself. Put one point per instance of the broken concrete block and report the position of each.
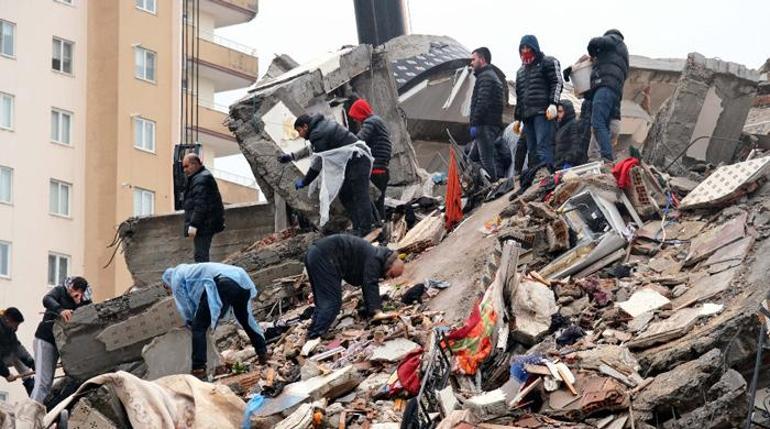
(726, 407)
(618, 357)
(532, 306)
(447, 400)
(487, 405)
(373, 383)
(705, 288)
(666, 330)
(170, 354)
(729, 256)
(155, 321)
(712, 98)
(706, 244)
(393, 350)
(428, 232)
(642, 301)
(727, 184)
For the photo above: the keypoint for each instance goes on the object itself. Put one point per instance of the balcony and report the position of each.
(215, 137)
(229, 64)
(230, 12)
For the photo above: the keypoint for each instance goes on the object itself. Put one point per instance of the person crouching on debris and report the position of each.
(333, 259)
(12, 352)
(346, 163)
(375, 134)
(203, 293)
(568, 152)
(60, 302)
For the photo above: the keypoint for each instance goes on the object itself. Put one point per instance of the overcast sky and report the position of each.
(736, 30)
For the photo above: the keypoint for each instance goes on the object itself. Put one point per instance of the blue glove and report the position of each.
(299, 184)
(474, 131)
(287, 157)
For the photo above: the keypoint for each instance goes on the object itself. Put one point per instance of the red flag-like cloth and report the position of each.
(454, 194)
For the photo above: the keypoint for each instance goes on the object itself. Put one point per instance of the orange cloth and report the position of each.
(360, 110)
(454, 194)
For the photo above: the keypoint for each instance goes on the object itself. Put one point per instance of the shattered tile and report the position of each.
(643, 301)
(725, 183)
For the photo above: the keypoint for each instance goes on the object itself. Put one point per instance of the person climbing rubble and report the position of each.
(203, 294)
(340, 257)
(374, 131)
(60, 302)
(12, 352)
(339, 153)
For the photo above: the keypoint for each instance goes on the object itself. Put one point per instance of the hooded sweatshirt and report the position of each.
(374, 133)
(567, 147)
(538, 84)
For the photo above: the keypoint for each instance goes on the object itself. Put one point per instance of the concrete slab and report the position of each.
(532, 306)
(171, 354)
(642, 301)
(394, 350)
(704, 245)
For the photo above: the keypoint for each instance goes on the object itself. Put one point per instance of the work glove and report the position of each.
(474, 132)
(285, 158)
(192, 231)
(550, 113)
(299, 184)
(517, 127)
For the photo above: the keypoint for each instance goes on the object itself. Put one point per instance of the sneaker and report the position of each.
(200, 374)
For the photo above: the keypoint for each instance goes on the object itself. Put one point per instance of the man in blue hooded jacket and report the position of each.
(203, 293)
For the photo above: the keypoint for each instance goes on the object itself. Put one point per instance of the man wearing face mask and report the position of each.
(60, 302)
(538, 90)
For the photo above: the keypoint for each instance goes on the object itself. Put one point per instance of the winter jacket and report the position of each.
(203, 206)
(376, 135)
(610, 56)
(11, 347)
(539, 84)
(325, 134)
(487, 99)
(55, 301)
(567, 143)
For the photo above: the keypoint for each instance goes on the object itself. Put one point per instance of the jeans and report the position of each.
(202, 243)
(326, 285)
(354, 195)
(380, 181)
(46, 356)
(603, 105)
(233, 295)
(539, 132)
(594, 153)
(485, 150)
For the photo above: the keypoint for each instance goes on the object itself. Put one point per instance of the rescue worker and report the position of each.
(333, 259)
(203, 294)
(12, 352)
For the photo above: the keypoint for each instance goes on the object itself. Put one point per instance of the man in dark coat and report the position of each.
(486, 120)
(568, 151)
(538, 90)
(12, 352)
(324, 135)
(610, 69)
(340, 257)
(374, 132)
(204, 213)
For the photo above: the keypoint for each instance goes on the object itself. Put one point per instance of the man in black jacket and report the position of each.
(12, 353)
(568, 151)
(324, 135)
(60, 302)
(610, 68)
(538, 90)
(340, 257)
(374, 132)
(486, 119)
(204, 213)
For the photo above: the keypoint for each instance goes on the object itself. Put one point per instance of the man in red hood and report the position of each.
(374, 132)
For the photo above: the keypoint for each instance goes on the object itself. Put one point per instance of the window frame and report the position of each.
(62, 42)
(61, 113)
(10, 187)
(58, 258)
(137, 120)
(9, 256)
(13, 110)
(143, 8)
(142, 192)
(12, 55)
(60, 183)
(143, 77)
(67, 2)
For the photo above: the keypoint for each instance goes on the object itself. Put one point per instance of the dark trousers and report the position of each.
(604, 101)
(485, 151)
(539, 131)
(202, 243)
(521, 154)
(233, 295)
(380, 181)
(326, 285)
(584, 125)
(354, 195)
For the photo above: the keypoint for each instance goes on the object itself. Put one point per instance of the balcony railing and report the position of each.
(224, 41)
(248, 182)
(214, 106)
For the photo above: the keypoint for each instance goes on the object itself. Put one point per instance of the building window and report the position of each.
(61, 126)
(146, 5)
(58, 268)
(145, 64)
(144, 134)
(6, 111)
(59, 198)
(144, 202)
(3, 396)
(62, 56)
(7, 38)
(5, 259)
(6, 185)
